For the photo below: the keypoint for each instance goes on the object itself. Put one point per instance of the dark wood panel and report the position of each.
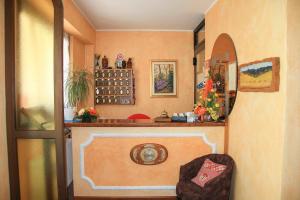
(10, 97)
(58, 99)
(123, 198)
(141, 123)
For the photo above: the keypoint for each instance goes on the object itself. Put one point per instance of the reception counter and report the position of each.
(102, 162)
(141, 123)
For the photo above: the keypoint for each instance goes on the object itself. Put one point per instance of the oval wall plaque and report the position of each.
(149, 154)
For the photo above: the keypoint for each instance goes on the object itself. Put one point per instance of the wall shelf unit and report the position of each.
(114, 87)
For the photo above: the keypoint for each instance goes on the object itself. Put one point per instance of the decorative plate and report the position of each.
(149, 154)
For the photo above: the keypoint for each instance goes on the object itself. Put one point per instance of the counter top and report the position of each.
(140, 123)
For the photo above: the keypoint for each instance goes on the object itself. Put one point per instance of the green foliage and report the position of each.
(78, 86)
(212, 105)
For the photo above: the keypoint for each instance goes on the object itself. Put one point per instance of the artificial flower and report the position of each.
(81, 111)
(208, 101)
(199, 110)
(92, 111)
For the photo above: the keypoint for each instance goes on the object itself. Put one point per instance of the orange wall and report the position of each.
(4, 186)
(76, 24)
(256, 124)
(77, 53)
(143, 47)
(291, 177)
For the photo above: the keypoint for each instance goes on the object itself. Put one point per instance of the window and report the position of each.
(66, 55)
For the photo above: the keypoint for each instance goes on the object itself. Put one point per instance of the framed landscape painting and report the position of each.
(163, 78)
(259, 76)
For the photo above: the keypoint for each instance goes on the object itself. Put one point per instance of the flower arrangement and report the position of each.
(208, 103)
(87, 114)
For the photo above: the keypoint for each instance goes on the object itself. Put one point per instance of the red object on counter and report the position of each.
(139, 116)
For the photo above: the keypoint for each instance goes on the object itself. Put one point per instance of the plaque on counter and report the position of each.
(149, 154)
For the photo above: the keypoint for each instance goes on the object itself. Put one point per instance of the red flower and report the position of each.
(208, 85)
(207, 88)
(200, 110)
(92, 111)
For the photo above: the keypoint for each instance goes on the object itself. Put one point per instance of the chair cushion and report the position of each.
(208, 171)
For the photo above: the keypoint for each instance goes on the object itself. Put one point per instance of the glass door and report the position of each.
(34, 35)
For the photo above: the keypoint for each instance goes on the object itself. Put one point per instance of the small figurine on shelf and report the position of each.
(119, 61)
(123, 64)
(129, 63)
(97, 61)
(104, 63)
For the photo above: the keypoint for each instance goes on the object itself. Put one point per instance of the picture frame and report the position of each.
(259, 76)
(163, 78)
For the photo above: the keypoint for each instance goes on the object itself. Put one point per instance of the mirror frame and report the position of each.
(227, 111)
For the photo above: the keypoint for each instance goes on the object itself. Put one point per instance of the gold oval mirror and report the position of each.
(223, 69)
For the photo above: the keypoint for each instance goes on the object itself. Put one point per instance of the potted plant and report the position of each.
(87, 114)
(77, 88)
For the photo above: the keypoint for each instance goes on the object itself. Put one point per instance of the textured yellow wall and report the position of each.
(77, 53)
(291, 165)
(143, 47)
(76, 24)
(4, 186)
(256, 124)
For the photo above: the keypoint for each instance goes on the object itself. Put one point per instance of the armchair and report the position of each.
(217, 188)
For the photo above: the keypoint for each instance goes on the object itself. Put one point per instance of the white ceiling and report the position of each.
(144, 14)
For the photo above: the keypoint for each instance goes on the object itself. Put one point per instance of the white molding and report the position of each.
(92, 136)
(210, 7)
(143, 30)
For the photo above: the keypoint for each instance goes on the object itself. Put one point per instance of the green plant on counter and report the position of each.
(78, 86)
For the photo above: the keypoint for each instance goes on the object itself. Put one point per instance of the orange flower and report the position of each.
(92, 111)
(209, 85)
(200, 110)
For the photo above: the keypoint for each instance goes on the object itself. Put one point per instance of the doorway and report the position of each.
(34, 96)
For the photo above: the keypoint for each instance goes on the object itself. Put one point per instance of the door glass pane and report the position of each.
(35, 64)
(37, 169)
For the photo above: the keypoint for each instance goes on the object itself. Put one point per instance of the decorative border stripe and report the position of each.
(200, 135)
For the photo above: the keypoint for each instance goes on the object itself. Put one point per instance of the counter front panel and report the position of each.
(102, 165)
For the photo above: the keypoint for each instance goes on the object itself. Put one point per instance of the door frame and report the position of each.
(12, 133)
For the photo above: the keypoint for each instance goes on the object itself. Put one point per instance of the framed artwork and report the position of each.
(163, 78)
(259, 76)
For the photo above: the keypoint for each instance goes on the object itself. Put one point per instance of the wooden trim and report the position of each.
(275, 76)
(58, 99)
(12, 133)
(196, 31)
(10, 97)
(141, 123)
(127, 198)
(35, 134)
(226, 136)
